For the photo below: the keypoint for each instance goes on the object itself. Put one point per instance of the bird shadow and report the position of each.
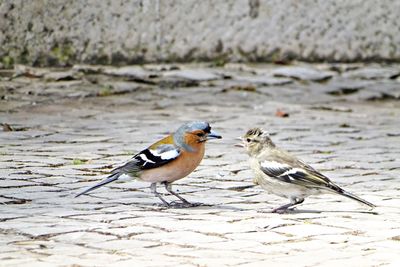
(303, 211)
(176, 205)
(197, 206)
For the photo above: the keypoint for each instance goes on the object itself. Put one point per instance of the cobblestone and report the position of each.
(65, 129)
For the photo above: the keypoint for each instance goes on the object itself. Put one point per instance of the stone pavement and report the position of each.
(64, 129)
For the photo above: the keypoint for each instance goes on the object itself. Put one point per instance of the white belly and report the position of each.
(277, 187)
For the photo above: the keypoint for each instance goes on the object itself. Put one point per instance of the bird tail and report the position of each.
(356, 198)
(113, 177)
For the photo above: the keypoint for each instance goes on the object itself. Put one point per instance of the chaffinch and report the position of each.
(167, 160)
(282, 174)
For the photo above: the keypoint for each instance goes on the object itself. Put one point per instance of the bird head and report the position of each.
(255, 140)
(192, 134)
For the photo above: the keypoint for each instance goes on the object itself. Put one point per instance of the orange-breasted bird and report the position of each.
(170, 159)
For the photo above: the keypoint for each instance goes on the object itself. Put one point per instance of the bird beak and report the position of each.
(213, 135)
(239, 144)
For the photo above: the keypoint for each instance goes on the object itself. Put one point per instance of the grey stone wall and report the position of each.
(59, 32)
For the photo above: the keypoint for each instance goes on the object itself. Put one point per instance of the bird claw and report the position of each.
(179, 204)
(276, 210)
(282, 211)
(198, 204)
(279, 211)
(263, 211)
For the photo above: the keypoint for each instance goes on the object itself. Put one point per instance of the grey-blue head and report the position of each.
(194, 132)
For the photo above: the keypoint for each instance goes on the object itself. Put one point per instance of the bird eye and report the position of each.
(248, 140)
(200, 134)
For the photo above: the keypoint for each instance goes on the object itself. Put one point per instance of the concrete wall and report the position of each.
(44, 32)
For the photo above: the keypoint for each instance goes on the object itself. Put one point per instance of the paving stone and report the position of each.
(72, 137)
(340, 86)
(372, 73)
(302, 73)
(128, 71)
(196, 75)
(61, 75)
(264, 80)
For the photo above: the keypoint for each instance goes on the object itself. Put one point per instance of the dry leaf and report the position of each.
(281, 113)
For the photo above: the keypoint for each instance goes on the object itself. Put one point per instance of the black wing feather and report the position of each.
(297, 175)
(149, 159)
(276, 172)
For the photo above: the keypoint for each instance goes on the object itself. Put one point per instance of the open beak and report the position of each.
(241, 143)
(213, 135)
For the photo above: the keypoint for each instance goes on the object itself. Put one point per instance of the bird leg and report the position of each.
(153, 188)
(185, 203)
(283, 208)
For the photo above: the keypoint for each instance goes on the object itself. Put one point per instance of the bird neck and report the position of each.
(258, 148)
(193, 145)
(269, 144)
(198, 147)
(187, 143)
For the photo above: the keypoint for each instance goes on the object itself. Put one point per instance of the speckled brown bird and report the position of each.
(282, 174)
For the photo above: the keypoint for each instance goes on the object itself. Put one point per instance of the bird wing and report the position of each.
(150, 158)
(295, 172)
(153, 158)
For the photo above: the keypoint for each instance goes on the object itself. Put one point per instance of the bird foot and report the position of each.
(263, 211)
(282, 211)
(279, 211)
(179, 204)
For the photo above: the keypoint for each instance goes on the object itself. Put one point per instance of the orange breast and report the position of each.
(177, 169)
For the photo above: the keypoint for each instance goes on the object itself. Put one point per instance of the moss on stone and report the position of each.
(63, 54)
(7, 61)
